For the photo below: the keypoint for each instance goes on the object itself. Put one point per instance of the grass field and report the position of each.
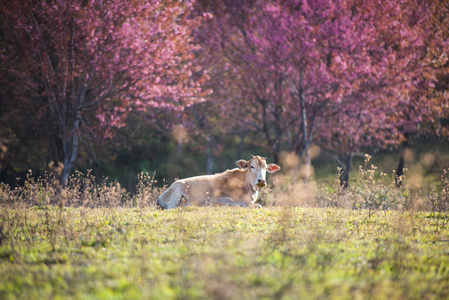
(223, 253)
(97, 241)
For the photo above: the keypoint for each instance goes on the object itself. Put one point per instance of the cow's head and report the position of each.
(257, 170)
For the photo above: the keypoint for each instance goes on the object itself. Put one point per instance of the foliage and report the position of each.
(83, 66)
(285, 76)
(340, 74)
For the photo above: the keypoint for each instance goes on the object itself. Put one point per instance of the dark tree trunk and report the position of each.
(400, 169)
(71, 145)
(210, 155)
(345, 163)
(307, 164)
(306, 132)
(274, 145)
(278, 133)
(241, 144)
(179, 150)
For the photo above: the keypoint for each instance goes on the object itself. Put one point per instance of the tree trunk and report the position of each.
(305, 136)
(307, 164)
(274, 145)
(241, 144)
(277, 133)
(179, 149)
(400, 169)
(210, 155)
(70, 152)
(345, 163)
(275, 156)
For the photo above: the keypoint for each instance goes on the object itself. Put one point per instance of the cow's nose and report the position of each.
(261, 183)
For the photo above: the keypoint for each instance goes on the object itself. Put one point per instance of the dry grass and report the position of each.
(372, 190)
(83, 190)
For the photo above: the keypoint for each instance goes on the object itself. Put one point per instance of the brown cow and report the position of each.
(236, 187)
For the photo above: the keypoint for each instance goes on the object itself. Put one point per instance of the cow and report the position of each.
(236, 187)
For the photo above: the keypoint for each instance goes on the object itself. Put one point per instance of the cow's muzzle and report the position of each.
(261, 183)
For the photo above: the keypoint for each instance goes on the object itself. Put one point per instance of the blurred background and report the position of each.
(184, 88)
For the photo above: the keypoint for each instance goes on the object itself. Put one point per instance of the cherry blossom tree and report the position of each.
(385, 106)
(90, 63)
(417, 49)
(292, 62)
(340, 74)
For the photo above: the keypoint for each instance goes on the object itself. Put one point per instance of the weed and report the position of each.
(147, 190)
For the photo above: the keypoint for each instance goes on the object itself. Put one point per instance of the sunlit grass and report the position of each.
(223, 253)
(97, 241)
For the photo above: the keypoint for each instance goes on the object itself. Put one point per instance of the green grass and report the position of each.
(222, 253)
(96, 240)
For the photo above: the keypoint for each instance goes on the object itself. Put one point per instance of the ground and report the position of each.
(223, 253)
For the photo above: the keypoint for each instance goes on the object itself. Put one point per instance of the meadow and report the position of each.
(96, 241)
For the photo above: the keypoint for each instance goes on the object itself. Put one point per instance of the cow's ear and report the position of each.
(243, 164)
(271, 168)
